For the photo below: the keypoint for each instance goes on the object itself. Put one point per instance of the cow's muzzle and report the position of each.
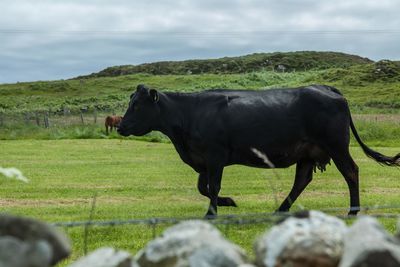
(122, 131)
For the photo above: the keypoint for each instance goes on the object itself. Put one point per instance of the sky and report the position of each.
(62, 39)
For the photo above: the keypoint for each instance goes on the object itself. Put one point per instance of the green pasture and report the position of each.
(136, 179)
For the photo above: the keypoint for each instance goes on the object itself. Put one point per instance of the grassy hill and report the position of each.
(290, 61)
(370, 87)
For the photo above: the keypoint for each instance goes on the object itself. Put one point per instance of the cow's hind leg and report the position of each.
(304, 172)
(214, 175)
(202, 186)
(349, 170)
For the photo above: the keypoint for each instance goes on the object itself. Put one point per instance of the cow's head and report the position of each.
(143, 112)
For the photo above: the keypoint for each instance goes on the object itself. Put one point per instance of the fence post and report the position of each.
(26, 117)
(95, 116)
(66, 111)
(46, 120)
(37, 119)
(86, 229)
(82, 118)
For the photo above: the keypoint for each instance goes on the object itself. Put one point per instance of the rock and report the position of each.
(397, 234)
(33, 231)
(17, 253)
(312, 240)
(368, 244)
(105, 257)
(10, 251)
(191, 244)
(39, 254)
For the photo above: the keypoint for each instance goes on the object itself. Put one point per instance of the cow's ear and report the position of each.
(141, 88)
(154, 95)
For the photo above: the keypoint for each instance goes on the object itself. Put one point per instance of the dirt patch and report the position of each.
(377, 117)
(8, 202)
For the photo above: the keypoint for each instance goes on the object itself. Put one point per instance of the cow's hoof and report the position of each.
(231, 202)
(226, 201)
(210, 216)
(280, 212)
(353, 211)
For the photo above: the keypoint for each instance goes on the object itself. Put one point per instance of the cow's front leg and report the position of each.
(214, 174)
(202, 186)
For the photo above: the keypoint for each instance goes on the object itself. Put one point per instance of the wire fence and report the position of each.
(85, 116)
(234, 219)
(49, 119)
(225, 222)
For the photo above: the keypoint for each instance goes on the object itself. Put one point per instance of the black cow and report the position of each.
(306, 126)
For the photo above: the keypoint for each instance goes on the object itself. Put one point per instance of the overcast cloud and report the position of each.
(48, 39)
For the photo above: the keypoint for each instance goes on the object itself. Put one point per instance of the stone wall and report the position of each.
(307, 239)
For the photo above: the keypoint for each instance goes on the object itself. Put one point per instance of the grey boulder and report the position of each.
(190, 244)
(36, 233)
(105, 257)
(367, 244)
(314, 239)
(17, 253)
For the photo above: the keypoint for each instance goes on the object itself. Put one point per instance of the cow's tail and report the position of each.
(380, 158)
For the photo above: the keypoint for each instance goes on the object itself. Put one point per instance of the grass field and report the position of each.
(134, 179)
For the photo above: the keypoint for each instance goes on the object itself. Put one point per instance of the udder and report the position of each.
(319, 156)
(303, 151)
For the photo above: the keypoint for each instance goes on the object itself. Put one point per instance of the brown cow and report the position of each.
(112, 122)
